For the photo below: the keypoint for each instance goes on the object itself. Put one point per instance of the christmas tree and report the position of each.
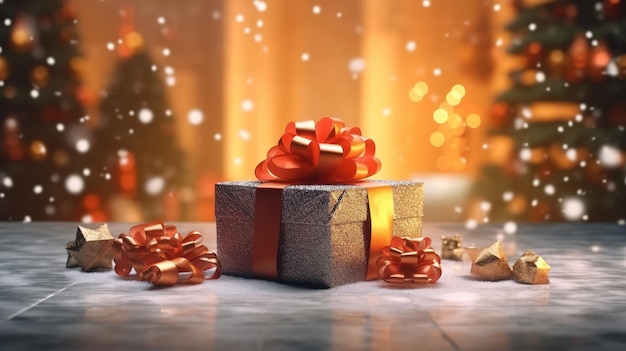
(557, 137)
(46, 172)
(136, 136)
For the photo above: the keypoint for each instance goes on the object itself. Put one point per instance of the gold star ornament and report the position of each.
(531, 268)
(489, 263)
(91, 250)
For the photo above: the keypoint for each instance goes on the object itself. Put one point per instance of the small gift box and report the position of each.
(312, 220)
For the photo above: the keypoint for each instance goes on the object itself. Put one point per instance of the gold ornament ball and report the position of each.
(38, 150)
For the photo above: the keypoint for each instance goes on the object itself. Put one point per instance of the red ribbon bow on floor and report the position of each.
(158, 253)
(409, 260)
(323, 151)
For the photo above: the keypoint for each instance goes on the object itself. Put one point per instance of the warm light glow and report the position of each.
(77, 64)
(601, 59)
(453, 98)
(443, 163)
(455, 121)
(458, 164)
(419, 90)
(128, 181)
(133, 40)
(534, 48)
(38, 150)
(40, 74)
(414, 96)
(473, 120)
(4, 72)
(437, 139)
(556, 56)
(440, 116)
(458, 89)
(20, 37)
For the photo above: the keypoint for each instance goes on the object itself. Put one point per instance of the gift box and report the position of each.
(325, 232)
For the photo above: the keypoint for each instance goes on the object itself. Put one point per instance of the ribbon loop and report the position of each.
(326, 151)
(409, 261)
(159, 253)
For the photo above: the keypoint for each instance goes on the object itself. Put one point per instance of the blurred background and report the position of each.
(131, 110)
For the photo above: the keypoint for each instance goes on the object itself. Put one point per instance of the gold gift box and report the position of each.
(324, 231)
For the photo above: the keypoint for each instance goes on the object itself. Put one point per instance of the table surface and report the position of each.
(44, 305)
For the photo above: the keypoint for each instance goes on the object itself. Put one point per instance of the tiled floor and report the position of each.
(44, 306)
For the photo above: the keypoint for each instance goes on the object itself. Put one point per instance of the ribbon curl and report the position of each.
(409, 261)
(159, 254)
(324, 151)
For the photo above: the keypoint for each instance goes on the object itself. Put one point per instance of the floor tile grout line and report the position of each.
(454, 345)
(38, 302)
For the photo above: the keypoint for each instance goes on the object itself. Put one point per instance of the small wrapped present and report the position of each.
(312, 220)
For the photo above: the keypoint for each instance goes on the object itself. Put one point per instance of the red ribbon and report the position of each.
(159, 254)
(409, 261)
(322, 152)
(325, 151)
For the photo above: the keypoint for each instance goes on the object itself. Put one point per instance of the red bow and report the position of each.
(409, 260)
(324, 151)
(158, 253)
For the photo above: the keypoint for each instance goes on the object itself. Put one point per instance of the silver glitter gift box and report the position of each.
(324, 231)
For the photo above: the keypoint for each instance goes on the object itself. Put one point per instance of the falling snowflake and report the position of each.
(507, 196)
(82, 145)
(247, 105)
(471, 224)
(7, 182)
(195, 117)
(549, 189)
(317, 9)
(411, 46)
(244, 135)
(74, 184)
(261, 6)
(356, 65)
(485, 206)
(573, 208)
(154, 185)
(510, 228)
(610, 156)
(145, 115)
